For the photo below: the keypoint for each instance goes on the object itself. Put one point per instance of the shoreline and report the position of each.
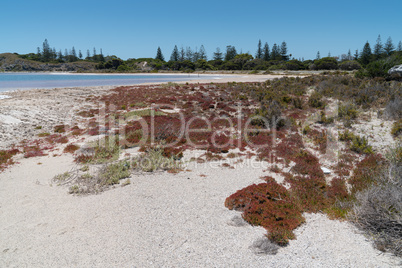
(21, 111)
(220, 78)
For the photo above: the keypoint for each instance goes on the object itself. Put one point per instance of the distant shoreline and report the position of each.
(194, 78)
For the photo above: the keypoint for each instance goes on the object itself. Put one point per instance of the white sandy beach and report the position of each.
(159, 220)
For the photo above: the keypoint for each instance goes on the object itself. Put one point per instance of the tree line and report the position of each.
(370, 62)
(48, 54)
(186, 59)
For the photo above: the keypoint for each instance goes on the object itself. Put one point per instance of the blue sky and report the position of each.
(134, 29)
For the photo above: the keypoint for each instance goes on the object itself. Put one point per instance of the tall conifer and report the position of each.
(159, 55)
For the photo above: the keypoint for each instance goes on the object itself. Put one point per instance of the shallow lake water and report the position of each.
(23, 81)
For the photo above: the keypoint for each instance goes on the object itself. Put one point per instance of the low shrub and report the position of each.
(393, 108)
(360, 145)
(153, 159)
(71, 148)
(6, 157)
(94, 180)
(33, 151)
(310, 192)
(315, 100)
(43, 134)
(365, 172)
(397, 128)
(337, 189)
(377, 190)
(346, 136)
(60, 129)
(350, 65)
(347, 111)
(101, 151)
(269, 115)
(269, 205)
(112, 173)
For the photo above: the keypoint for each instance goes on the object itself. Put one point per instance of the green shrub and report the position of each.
(327, 63)
(269, 115)
(153, 159)
(316, 100)
(350, 65)
(397, 128)
(346, 136)
(360, 145)
(347, 111)
(112, 173)
(103, 150)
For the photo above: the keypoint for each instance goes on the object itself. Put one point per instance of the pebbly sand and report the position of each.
(159, 220)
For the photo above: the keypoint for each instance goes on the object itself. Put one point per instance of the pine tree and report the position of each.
(73, 53)
(202, 54)
(159, 55)
(182, 55)
(46, 51)
(284, 51)
(399, 46)
(189, 54)
(60, 55)
(378, 48)
(258, 54)
(101, 57)
(88, 54)
(389, 46)
(266, 55)
(80, 54)
(218, 54)
(95, 57)
(356, 55)
(175, 54)
(318, 56)
(275, 54)
(230, 53)
(196, 55)
(349, 57)
(365, 56)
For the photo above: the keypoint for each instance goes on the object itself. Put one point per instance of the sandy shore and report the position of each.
(159, 220)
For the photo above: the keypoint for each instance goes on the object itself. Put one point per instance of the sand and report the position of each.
(159, 220)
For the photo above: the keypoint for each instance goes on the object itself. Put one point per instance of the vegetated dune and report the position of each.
(175, 216)
(11, 62)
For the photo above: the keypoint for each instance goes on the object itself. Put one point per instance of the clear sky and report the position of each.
(134, 29)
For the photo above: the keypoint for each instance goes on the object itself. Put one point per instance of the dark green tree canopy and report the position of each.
(275, 54)
(230, 53)
(266, 55)
(218, 55)
(159, 55)
(175, 54)
(378, 48)
(202, 54)
(318, 56)
(365, 56)
(46, 51)
(284, 51)
(389, 46)
(258, 54)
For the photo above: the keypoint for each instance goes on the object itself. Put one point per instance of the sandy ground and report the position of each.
(159, 220)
